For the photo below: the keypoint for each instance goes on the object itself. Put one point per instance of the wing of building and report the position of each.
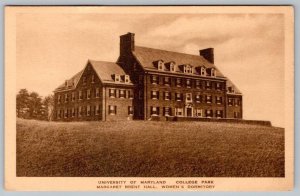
(147, 83)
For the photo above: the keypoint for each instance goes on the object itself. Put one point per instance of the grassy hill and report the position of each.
(148, 149)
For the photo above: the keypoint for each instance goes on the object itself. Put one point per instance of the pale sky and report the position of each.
(249, 49)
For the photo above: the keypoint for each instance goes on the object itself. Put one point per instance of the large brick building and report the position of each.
(148, 83)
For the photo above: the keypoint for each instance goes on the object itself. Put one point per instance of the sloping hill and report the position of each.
(147, 148)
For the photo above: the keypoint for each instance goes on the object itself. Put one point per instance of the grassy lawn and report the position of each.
(148, 149)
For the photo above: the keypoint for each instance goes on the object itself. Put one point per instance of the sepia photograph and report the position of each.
(149, 98)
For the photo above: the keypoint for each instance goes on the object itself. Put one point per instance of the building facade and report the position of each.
(148, 83)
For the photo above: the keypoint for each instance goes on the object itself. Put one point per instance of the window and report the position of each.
(178, 96)
(80, 95)
(198, 84)
(97, 110)
(218, 86)
(167, 95)
(219, 113)
(188, 69)
(199, 113)
(66, 98)
(73, 96)
(117, 78)
(167, 81)
(213, 72)
(238, 102)
(167, 111)
(208, 99)
(97, 93)
(160, 65)
(59, 99)
(230, 101)
(203, 71)
(178, 81)
(230, 89)
(178, 112)
(88, 94)
(122, 93)
(172, 67)
(208, 85)
(88, 110)
(93, 78)
(154, 111)
(84, 80)
(209, 113)
(154, 79)
(130, 110)
(127, 79)
(79, 111)
(66, 113)
(188, 97)
(188, 83)
(112, 93)
(219, 100)
(130, 94)
(198, 98)
(154, 94)
(73, 112)
(112, 110)
(236, 115)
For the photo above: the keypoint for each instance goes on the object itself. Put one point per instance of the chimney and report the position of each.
(208, 54)
(126, 44)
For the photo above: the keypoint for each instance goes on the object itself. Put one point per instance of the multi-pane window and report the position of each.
(154, 95)
(209, 113)
(154, 111)
(213, 72)
(167, 95)
(80, 95)
(198, 98)
(112, 109)
(160, 65)
(178, 81)
(130, 94)
(172, 67)
(187, 69)
(73, 112)
(130, 110)
(208, 84)
(66, 98)
(167, 81)
(203, 71)
(112, 93)
(154, 79)
(178, 96)
(79, 111)
(188, 97)
(97, 110)
(237, 102)
(88, 110)
(219, 100)
(88, 93)
(117, 78)
(59, 99)
(188, 83)
(73, 96)
(127, 79)
(230, 101)
(218, 86)
(219, 113)
(198, 84)
(208, 98)
(66, 113)
(199, 113)
(178, 112)
(97, 92)
(122, 93)
(167, 111)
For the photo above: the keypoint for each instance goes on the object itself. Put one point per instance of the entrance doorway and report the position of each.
(189, 112)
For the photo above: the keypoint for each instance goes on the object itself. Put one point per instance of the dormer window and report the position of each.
(126, 79)
(202, 71)
(213, 72)
(188, 69)
(160, 65)
(117, 78)
(172, 66)
(230, 89)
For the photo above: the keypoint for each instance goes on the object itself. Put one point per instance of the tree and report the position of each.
(48, 102)
(22, 103)
(35, 106)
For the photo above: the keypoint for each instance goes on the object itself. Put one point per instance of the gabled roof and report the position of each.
(104, 70)
(146, 57)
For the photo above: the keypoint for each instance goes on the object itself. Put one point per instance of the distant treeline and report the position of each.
(31, 105)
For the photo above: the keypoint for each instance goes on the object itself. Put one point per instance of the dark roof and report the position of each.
(105, 71)
(146, 57)
(229, 83)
